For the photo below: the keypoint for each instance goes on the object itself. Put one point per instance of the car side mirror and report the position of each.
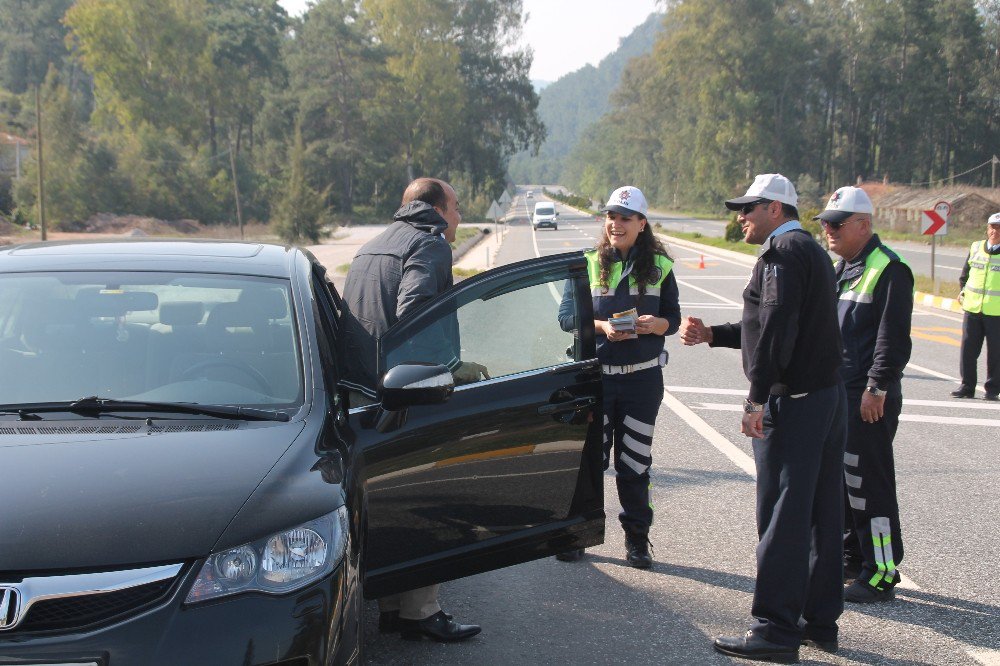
(411, 384)
(556, 215)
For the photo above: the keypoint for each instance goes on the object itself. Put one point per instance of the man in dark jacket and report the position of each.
(795, 412)
(875, 306)
(396, 272)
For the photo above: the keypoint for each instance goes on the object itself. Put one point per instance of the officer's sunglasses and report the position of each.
(748, 208)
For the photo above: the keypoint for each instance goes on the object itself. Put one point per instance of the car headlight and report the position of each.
(277, 564)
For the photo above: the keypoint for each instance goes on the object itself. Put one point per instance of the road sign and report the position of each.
(495, 212)
(935, 222)
(504, 198)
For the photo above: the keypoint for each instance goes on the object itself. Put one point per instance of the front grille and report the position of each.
(82, 611)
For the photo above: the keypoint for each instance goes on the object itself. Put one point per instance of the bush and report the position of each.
(734, 233)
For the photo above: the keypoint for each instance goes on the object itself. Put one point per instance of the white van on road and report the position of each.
(545, 216)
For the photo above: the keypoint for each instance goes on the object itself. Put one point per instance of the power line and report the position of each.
(941, 180)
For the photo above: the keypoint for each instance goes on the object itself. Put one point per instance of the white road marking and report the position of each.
(750, 261)
(711, 435)
(933, 373)
(915, 418)
(984, 657)
(710, 293)
(949, 404)
(741, 278)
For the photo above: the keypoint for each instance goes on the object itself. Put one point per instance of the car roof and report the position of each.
(214, 256)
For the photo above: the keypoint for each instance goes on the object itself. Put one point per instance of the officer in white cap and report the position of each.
(875, 305)
(629, 270)
(980, 298)
(796, 413)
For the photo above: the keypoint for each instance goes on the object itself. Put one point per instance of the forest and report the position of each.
(172, 109)
(826, 92)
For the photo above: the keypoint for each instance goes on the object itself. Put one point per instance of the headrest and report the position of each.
(269, 303)
(181, 313)
(234, 315)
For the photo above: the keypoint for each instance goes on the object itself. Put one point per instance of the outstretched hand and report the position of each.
(693, 331)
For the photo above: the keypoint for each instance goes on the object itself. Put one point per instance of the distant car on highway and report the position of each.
(184, 480)
(530, 194)
(545, 216)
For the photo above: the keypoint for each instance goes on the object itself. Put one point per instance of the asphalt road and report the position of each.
(600, 611)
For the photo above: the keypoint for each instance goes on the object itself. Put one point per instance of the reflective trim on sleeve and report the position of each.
(857, 503)
(852, 480)
(638, 467)
(644, 450)
(851, 459)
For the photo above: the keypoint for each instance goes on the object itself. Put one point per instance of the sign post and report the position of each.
(934, 223)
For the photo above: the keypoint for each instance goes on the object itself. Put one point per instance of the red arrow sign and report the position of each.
(932, 222)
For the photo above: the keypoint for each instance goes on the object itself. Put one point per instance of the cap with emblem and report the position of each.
(626, 200)
(846, 202)
(994, 219)
(771, 186)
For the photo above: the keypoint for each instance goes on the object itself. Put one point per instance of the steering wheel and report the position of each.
(198, 370)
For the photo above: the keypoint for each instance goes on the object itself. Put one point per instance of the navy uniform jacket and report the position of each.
(789, 334)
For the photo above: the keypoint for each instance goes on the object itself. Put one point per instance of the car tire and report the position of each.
(555, 227)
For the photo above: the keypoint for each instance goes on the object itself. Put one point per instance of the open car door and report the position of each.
(508, 469)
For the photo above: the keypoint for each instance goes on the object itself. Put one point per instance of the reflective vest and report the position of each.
(855, 311)
(616, 298)
(981, 293)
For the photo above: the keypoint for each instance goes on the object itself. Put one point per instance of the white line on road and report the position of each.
(950, 404)
(711, 435)
(916, 418)
(933, 373)
(984, 657)
(710, 293)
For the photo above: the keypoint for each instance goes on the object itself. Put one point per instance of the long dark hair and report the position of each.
(644, 268)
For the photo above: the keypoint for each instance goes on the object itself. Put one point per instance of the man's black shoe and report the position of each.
(754, 647)
(963, 392)
(388, 621)
(992, 397)
(570, 555)
(438, 627)
(637, 550)
(860, 592)
(825, 646)
(852, 569)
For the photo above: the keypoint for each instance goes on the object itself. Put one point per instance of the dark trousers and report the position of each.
(975, 329)
(872, 535)
(800, 516)
(631, 403)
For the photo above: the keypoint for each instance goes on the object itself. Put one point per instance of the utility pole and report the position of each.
(41, 177)
(993, 182)
(236, 185)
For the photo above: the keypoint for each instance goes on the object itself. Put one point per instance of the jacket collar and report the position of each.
(421, 216)
(847, 270)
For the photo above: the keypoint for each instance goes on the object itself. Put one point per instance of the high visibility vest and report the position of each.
(862, 289)
(981, 293)
(609, 300)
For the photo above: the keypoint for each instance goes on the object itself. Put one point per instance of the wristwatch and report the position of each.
(876, 391)
(751, 407)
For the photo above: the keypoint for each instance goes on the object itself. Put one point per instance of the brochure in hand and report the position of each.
(624, 322)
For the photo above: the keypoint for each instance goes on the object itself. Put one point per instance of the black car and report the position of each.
(182, 480)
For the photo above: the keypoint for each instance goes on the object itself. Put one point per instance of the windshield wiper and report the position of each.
(94, 405)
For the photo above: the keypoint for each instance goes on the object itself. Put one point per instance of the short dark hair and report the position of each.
(791, 212)
(429, 190)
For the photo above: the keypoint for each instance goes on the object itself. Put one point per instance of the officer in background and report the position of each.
(875, 306)
(980, 298)
(796, 414)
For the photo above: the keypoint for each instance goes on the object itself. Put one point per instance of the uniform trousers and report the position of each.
(631, 403)
(417, 604)
(977, 327)
(872, 536)
(800, 516)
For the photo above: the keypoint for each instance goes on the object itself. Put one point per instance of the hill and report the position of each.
(577, 100)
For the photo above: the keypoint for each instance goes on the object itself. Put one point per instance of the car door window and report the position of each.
(510, 332)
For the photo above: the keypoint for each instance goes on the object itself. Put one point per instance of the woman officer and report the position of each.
(630, 271)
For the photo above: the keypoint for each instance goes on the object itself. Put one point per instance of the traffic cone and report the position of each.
(701, 263)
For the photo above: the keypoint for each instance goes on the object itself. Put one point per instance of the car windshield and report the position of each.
(545, 210)
(157, 337)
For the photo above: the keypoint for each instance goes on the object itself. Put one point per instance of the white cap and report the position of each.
(626, 200)
(772, 186)
(994, 219)
(845, 202)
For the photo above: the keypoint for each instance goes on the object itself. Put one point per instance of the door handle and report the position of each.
(568, 406)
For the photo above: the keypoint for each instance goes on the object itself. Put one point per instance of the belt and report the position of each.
(628, 369)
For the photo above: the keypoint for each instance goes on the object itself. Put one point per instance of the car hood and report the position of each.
(83, 495)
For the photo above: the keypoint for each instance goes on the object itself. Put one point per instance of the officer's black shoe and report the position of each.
(637, 550)
(388, 621)
(852, 569)
(809, 639)
(754, 647)
(860, 592)
(992, 397)
(963, 392)
(438, 627)
(570, 555)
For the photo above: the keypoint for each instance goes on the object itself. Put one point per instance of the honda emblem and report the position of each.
(10, 606)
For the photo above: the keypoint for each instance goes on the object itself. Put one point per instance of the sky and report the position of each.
(565, 34)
